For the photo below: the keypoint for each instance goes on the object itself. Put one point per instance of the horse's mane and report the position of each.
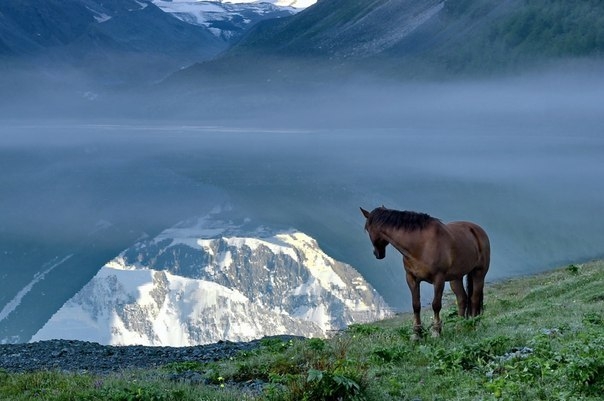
(406, 220)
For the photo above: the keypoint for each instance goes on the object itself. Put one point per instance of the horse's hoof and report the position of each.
(435, 334)
(415, 337)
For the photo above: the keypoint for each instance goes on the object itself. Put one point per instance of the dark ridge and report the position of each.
(406, 220)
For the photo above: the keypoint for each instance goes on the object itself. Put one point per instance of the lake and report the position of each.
(525, 163)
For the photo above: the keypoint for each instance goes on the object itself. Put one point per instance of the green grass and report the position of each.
(540, 338)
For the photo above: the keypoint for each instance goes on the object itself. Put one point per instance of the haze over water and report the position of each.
(524, 158)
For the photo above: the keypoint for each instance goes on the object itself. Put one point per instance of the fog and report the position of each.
(521, 156)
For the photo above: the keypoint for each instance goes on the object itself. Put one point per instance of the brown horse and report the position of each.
(434, 252)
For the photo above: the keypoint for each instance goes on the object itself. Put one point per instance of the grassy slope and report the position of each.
(550, 326)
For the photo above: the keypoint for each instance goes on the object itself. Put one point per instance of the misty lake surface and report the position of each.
(529, 173)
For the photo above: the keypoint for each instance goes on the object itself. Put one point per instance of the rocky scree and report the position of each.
(88, 357)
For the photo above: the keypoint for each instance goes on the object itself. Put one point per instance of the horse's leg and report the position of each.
(477, 277)
(413, 284)
(439, 286)
(460, 295)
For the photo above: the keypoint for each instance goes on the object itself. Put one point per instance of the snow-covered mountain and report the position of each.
(215, 280)
(226, 20)
(281, 3)
(116, 42)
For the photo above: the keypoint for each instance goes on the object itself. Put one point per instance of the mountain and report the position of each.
(129, 41)
(437, 36)
(121, 41)
(111, 41)
(215, 280)
(227, 21)
(299, 4)
(340, 28)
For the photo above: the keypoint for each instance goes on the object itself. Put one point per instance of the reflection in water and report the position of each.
(528, 171)
(539, 196)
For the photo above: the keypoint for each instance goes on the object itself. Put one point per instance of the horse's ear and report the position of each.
(365, 213)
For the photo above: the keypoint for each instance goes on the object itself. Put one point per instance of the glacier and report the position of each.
(212, 279)
(281, 3)
(228, 19)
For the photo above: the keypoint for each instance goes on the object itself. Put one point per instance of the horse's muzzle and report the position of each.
(379, 255)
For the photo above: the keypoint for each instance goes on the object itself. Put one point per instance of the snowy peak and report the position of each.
(117, 42)
(211, 280)
(295, 4)
(224, 19)
(282, 3)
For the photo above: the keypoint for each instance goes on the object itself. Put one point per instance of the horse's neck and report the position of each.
(404, 241)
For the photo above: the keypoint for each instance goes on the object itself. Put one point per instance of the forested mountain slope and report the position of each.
(432, 35)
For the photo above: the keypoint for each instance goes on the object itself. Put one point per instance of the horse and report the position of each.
(434, 252)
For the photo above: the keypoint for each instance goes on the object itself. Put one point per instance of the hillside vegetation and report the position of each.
(432, 37)
(498, 35)
(540, 338)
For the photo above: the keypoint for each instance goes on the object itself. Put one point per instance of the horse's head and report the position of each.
(379, 243)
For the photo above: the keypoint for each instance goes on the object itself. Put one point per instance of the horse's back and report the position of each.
(473, 240)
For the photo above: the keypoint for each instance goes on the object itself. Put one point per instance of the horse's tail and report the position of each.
(484, 260)
(469, 290)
